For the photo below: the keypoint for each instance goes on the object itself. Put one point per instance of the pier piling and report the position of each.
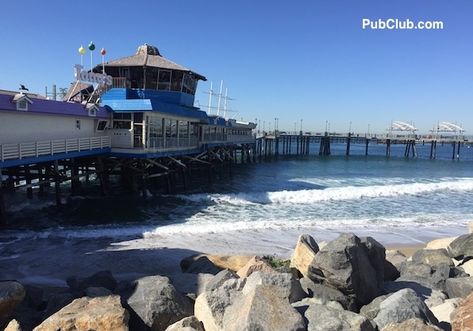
(3, 218)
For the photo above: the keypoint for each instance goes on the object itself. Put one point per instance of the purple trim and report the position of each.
(52, 107)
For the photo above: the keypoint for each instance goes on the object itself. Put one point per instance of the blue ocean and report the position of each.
(413, 198)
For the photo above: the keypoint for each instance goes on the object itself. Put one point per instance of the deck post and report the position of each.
(388, 147)
(3, 217)
(57, 183)
(29, 188)
(75, 182)
(366, 146)
(348, 144)
(453, 153)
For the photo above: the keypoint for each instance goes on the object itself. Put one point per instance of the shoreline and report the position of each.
(50, 260)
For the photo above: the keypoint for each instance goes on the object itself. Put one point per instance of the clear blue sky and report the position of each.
(293, 60)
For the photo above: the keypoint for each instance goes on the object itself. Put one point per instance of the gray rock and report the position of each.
(263, 307)
(11, 295)
(413, 324)
(13, 326)
(372, 309)
(302, 305)
(390, 271)
(322, 318)
(304, 254)
(202, 265)
(210, 306)
(344, 263)
(430, 276)
(103, 279)
(401, 306)
(219, 279)
(461, 247)
(190, 323)
(326, 293)
(376, 256)
(433, 257)
(289, 287)
(157, 304)
(190, 283)
(459, 287)
(443, 311)
(93, 292)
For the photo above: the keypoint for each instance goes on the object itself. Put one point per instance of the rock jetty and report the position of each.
(349, 283)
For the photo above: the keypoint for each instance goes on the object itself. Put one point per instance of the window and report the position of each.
(22, 104)
(92, 111)
(176, 83)
(78, 124)
(164, 80)
(102, 125)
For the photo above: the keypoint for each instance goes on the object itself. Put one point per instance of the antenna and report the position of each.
(210, 97)
(219, 98)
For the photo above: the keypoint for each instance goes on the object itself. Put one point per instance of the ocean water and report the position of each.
(412, 198)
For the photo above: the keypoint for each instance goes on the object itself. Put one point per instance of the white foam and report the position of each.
(333, 193)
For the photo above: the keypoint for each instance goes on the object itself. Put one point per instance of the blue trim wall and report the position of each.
(47, 158)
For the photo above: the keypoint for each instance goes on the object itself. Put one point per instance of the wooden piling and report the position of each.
(366, 146)
(458, 150)
(57, 183)
(29, 188)
(453, 152)
(347, 153)
(3, 217)
(388, 147)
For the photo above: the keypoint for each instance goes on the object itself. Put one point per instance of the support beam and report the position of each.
(57, 183)
(3, 216)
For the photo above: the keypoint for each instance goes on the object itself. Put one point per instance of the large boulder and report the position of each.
(428, 295)
(323, 317)
(461, 247)
(190, 323)
(377, 257)
(462, 317)
(11, 295)
(84, 314)
(432, 257)
(157, 304)
(326, 293)
(401, 306)
(231, 262)
(289, 287)
(56, 302)
(220, 293)
(372, 309)
(467, 266)
(395, 257)
(198, 264)
(190, 284)
(413, 324)
(255, 264)
(263, 307)
(459, 287)
(304, 254)
(433, 276)
(345, 264)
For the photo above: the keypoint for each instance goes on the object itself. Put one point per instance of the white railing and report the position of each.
(51, 147)
(161, 143)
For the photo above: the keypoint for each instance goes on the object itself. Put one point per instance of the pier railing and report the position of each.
(51, 147)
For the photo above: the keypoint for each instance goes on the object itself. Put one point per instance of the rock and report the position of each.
(84, 314)
(442, 312)
(436, 298)
(470, 227)
(461, 247)
(34, 297)
(390, 271)
(462, 317)
(372, 309)
(288, 286)
(424, 274)
(202, 265)
(413, 324)
(440, 243)
(11, 295)
(157, 304)
(377, 257)
(401, 306)
(233, 262)
(432, 257)
(190, 323)
(13, 326)
(395, 257)
(459, 287)
(93, 292)
(219, 279)
(326, 293)
(304, 254)
(56, 302)
(210, 306)
(431, 297)
(302, 305)
(99, 279)
(255, 264)
(344, 264)
(321, 318)
(467, 266)
(262, 308)
(190, 283)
